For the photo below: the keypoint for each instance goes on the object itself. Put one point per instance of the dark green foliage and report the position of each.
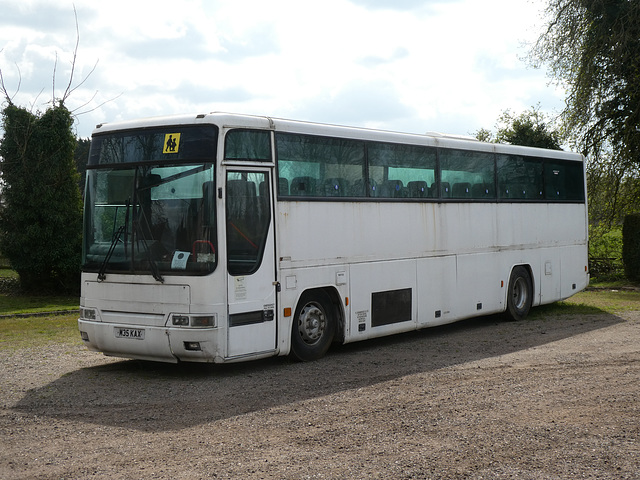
(530, 129)
(41, 213)
(631, 247)
(614, 192)
(81, 156)
(593, 48)
(605, 253)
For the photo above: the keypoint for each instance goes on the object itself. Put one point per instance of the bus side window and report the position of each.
(564, 181)
(463, 169)
(519, 178)
(402, 171)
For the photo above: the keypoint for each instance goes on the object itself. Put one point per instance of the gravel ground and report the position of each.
(551, 398)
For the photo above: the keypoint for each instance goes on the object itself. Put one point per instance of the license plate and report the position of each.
(136, 333)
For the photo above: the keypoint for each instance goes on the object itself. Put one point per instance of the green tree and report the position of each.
(531, 128)
(41, 205)
(592, 47)
(614, 191)
(41, 211)
(81, 156)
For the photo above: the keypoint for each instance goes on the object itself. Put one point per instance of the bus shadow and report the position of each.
(158, 397)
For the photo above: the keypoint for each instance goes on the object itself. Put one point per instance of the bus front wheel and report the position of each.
(313, 326)
(520, 294)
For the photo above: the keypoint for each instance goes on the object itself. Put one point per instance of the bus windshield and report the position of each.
(147, 215)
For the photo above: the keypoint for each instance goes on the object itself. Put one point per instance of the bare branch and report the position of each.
(35, 100)
(86, 103)
(4, 88)
(68, 91)
(96, 107)
(53, 81)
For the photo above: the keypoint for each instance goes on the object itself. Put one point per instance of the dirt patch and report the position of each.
(541, 399)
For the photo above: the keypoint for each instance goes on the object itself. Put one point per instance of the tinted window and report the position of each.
(248, 219)
(248, 145)
(319, 166)
(564, 181)
(519, 178)
(466, 174)
(323, 167)
(168, 144)
(401, 171)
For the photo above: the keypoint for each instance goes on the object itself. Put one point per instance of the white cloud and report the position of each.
(402, 65)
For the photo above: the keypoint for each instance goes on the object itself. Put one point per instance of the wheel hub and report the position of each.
(519, 293)
(311, 324)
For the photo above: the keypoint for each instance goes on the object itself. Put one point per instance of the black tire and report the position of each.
(313, 326)
(520, 294)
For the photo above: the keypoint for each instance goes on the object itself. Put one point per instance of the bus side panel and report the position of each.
(437, 288)
(480, 284)
(562, 273)
(383, 299)
(574, 274)
(549, 275)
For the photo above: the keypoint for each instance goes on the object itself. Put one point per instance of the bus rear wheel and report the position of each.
(313, 326)
(520, 294)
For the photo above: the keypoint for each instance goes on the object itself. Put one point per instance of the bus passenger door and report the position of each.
(250, 263)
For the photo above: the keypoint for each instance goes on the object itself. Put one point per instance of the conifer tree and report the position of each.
(41, 209)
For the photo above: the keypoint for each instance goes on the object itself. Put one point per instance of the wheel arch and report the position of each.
(520, 292)
(527, 266)
(338, 311)
(316, 324)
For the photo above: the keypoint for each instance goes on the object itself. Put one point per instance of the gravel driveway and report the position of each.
(550, 398)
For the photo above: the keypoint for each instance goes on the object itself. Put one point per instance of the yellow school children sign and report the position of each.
(171, 143)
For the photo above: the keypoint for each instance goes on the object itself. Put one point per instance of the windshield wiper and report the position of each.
(116, 238)
(155, 271)
(122, 229)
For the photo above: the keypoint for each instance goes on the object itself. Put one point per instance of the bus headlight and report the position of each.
(180, 320)
(201, 321)
(88, 314)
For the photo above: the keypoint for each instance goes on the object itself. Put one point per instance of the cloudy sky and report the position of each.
(450, 66)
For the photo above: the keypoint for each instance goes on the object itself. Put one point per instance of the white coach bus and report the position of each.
(221, 238)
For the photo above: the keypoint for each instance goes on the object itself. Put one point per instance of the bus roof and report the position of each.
(230, 120)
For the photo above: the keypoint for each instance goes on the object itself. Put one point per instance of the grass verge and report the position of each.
(11, 305)
(21, 332)
(592, 302)
(18, 329)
